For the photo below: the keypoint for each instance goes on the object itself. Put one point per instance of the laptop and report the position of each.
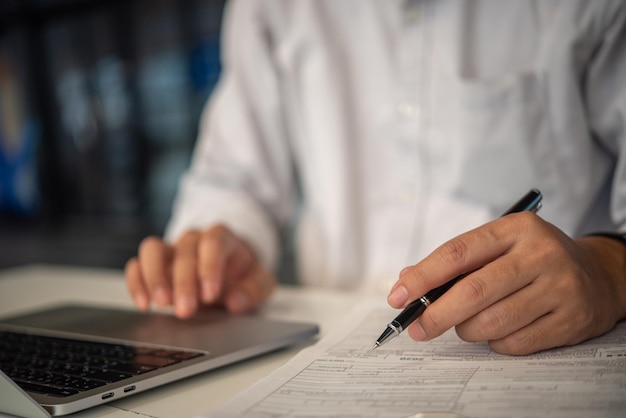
(68, 358)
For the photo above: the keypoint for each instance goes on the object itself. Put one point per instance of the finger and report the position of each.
(461, 254)
(560, 286)
(508, 315)
(134, 283)
(153, 261)
(541, 334)
(217, 249)
(573, 319)
(250, 291)
(185, 275)
(464, 253)
(474, 293)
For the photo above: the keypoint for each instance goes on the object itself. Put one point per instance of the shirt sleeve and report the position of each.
(241, 173)
(605, 90)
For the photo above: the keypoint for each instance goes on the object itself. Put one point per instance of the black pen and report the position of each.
(530, 202)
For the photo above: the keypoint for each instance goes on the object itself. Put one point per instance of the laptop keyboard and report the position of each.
(64, 367)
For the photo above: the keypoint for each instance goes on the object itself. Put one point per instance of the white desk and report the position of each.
(35, 286)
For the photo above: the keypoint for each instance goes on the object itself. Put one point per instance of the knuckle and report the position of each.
(493, 322)
(475, 290)
(570, 287)
(149, 243)
(527, 221)
(191, 233)
(185, 285)
(432, 324)
(187, 237)
(184, 257)
(551, 250)
(584, 320)
(487, 325)
(413, 279)
(517, 344)
(183, 275)
(219, 233)
(455, 251)
(214, 239)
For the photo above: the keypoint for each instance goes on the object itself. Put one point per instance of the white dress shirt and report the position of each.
(380, 129)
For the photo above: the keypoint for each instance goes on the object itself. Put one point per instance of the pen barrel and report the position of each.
(437, 292)
(531, 202)
(410, 313)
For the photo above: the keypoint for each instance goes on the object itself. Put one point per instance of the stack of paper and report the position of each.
(342, 377)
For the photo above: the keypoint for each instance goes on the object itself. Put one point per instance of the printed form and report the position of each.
(340, 376)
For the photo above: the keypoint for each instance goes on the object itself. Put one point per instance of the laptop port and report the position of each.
(129, 388)
(107, 395)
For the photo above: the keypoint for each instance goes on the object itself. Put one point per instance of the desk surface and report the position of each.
(32, 287)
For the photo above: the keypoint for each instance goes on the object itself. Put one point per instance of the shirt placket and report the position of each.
(412, 171)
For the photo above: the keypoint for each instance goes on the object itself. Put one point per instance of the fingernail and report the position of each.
(185, 306)
(161, 297)
(238, 302)
(417, 332)
(141, 301)
(210, 290)
(398, 297)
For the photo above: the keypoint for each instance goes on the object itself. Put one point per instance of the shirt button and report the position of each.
(406, 195)
(408, 110)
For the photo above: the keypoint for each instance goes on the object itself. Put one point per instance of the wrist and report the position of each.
(608, 249)
(617, 236)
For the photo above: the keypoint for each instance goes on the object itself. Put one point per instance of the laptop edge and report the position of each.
(15, 401)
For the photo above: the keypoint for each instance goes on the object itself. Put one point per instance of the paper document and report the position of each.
(341, 376)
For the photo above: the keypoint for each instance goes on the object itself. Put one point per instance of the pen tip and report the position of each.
(375, 346)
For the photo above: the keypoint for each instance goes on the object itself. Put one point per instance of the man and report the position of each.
(384, 129)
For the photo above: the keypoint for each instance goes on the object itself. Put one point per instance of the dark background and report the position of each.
(99, 108)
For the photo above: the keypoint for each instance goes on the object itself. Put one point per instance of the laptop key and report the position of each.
(107, 375)
(127, 367)
(64, 367)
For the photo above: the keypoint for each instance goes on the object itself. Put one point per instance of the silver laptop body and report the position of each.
(205, 342)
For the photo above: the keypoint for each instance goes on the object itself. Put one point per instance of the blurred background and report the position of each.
(99, 109)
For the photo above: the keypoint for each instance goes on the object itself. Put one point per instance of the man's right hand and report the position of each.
(210, 267)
